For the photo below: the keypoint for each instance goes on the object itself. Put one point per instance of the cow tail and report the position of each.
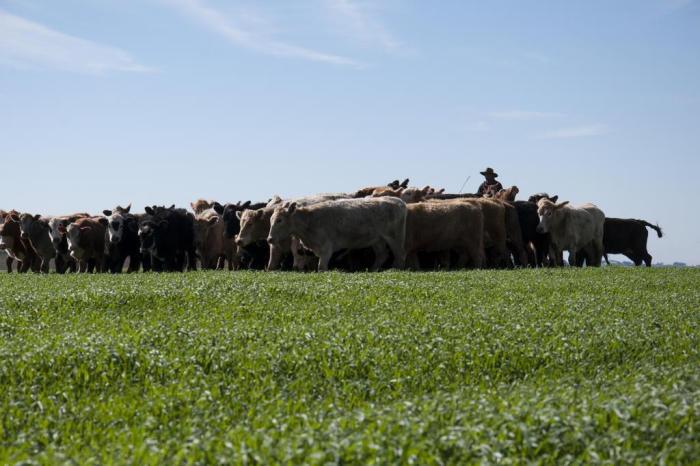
(655, 227)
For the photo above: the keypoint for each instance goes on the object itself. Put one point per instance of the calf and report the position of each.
(17, 248)
(123, 240)
(572, 229)
(86, 243)
(167, 234)
(212, 247)
(441, 227)
(35, 228)
(629, 237)
(57, 233)
(330, 226)
(254, 255)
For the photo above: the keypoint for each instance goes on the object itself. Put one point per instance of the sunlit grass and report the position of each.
(545, 365)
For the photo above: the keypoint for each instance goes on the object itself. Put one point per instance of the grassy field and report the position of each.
(495, 366)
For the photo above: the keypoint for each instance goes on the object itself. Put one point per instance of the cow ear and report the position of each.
(37, 216)
(561, 204)
(218, 208)
(554, 198)
(213, 220)
(246, 204)
(107, 212)
(426, 189)
(172, 206)
(103, 221)
(440, 191)
(292, 207)
(127, 209)
(404, 183)
(238, 214)
(192, 205)
(149, 210)
(394, 184)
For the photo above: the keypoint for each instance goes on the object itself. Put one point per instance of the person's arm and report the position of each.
(482, 188)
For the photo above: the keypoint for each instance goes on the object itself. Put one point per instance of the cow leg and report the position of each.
(45, 263)
(324, 257)
(462, 259)
(647, 259)
(380, 255)
(397, 249)
(8, 264)
(275, 258)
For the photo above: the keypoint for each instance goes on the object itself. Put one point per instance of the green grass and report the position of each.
(554, 366)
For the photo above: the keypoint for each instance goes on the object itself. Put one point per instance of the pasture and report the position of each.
(551, 365)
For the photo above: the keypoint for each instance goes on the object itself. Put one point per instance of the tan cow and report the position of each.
(330, 226)
(255, 226)
(441, 227)
(572, 229)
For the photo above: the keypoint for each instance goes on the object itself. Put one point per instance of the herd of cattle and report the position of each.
(376, 227)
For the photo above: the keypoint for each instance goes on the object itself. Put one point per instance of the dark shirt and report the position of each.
(489, 188)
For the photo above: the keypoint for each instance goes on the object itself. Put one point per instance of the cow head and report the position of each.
(27, 222)
(57, 230)
(232, 224)
(536, 197)
(414, 195)
(202, 224)
(250, 222)
(73, 232)
(548, 212)
(9, 232)
(200, 205)
(281, 223)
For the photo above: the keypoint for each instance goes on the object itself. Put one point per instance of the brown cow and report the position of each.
(17, 248)
(200, 205)
(441, 227)
(86, 243)
(35, 228)
(57, 233)
(212, 247)
(395, 185)
(507, 194)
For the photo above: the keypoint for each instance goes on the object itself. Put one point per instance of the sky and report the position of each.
(107, 102)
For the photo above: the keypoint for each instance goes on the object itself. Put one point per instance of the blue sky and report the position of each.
(165, 101)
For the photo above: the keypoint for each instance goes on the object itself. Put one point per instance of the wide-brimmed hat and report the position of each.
(489, 171)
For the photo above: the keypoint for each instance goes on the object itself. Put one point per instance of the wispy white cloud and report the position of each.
(363, 24)
(575, 132)
(523, 115)
(250, 37)
(26, 44)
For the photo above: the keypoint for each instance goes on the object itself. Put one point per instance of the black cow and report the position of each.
(528, 218)
(629, 237)
(254, 256)
(167, 235)
(536, 198)
(123, 240)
